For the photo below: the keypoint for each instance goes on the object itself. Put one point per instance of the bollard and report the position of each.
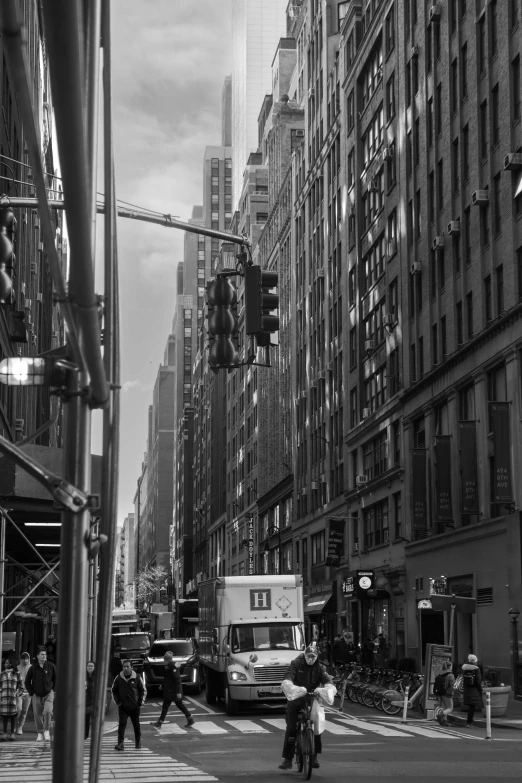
(488, 716)
(405, 707)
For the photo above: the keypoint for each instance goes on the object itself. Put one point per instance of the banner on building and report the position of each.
(502, 484)
(418, 474)
(335, 541)
(468, 467)
(251, 565)
(443, 476)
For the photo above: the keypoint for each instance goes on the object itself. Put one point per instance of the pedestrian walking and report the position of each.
(10, 688)
(343, 650)
(445, 707)
(40, 682)
(24, 699)
(129, 693)
(367, 652)
(89, 695)
(172, 692)
(472, 687)
(325, 651)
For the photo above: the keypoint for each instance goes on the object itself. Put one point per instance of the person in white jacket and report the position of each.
(23, 700)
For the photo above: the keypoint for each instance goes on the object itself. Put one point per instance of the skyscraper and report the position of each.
(256, 30)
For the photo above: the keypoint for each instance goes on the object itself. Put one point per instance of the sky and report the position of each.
(169, 59)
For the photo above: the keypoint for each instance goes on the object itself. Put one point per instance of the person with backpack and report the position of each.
(472, 679)
(443, 688)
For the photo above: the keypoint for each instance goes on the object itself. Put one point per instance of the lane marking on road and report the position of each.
(208, 727)
(201, 706)
(378, 729)
(247, 726)
(279, 723)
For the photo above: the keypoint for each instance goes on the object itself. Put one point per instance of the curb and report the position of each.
(481, 723)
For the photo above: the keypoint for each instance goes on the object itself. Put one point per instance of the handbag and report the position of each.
(318, 716)
(459, 684)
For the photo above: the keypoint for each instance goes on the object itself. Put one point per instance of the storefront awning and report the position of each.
(317, 603)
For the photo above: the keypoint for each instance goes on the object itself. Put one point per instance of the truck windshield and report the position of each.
(247, 638)
(135, 641)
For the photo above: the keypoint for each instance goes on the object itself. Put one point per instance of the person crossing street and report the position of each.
(129, 693)
(172, 692)
(40, 683)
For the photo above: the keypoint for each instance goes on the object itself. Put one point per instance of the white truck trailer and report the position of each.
(250, 629)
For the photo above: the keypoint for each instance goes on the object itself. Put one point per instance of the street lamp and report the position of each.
(272, 531)
(514, 613)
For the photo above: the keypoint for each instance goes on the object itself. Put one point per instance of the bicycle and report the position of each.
(304, 739)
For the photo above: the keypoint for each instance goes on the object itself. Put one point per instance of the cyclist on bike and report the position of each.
(307, 672)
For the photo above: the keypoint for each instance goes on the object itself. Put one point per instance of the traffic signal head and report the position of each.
(259, 302)
(222, 323)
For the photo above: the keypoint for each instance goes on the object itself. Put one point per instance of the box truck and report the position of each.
(250, 629)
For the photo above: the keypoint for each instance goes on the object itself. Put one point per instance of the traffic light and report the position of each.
(259, 303)
(222, 323)
(7, 229)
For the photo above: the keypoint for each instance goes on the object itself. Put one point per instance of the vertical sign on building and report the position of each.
(468, 467)
(443, 476)
(251, 567)
(335, 541)
(418, 477)
(502, 484)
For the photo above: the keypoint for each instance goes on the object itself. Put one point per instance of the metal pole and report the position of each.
(452, 624)
(405, 706)
(488, 716)
(2, 576)
(72, 618)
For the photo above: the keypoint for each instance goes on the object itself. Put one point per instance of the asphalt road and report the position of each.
(359, 745)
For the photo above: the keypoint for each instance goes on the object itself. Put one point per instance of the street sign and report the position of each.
(444, 603)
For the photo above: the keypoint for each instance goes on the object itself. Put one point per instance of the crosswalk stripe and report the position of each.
(376, 728)
(279, 723)
(335, 728)
(247, 726)
(426, 732)
(208, 727)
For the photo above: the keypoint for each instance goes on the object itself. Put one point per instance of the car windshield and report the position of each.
(247, 638)
(138, 641)
(178, 648)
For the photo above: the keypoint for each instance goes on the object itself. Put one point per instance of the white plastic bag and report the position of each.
(318, 717)
(292, 691)
(327, 693)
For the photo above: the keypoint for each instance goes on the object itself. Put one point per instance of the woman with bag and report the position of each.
(472, 679)
(10, 689)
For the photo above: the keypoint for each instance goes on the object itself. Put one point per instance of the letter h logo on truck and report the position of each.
(260, 599)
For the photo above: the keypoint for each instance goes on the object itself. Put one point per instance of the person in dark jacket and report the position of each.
(89, 695)
(129, 693)
(472, 687)
(305, 671)
(343, 650)
(172, 692)
(40, 683)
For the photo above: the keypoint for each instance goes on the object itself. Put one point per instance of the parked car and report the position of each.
(186, 657)
(132, 646)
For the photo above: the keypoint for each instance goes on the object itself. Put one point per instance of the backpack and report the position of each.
(469, 678)
(439, 686)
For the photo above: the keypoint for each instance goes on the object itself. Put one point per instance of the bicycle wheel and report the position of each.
(350, 692)
(358, 694)
(367, 697)
(308, 750)
(388, 707)
(299, 749)
(377, 700)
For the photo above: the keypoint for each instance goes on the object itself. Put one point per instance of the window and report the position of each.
(351, 168)
(373, 324)
(375, 456)
(419, 433)
(413, 367)
(483, 118)
(353, 408)
(454, 85)
(495, 115)
(371, 75)
(482, 44)
(391, 233)
(515, 87)
(407, 83)
(350, 109)
(497, 215)
(440, 185)
(455, 164)
(519, 270)
(318, 548)
(353, 347)
(467, 403)
(460, 332)
(391, 168)
(373, 138)
(442, 268)
(438, 110)
(420, 356)
(455, 244)
(351, 286)
(484, 226)
(464, 71)
(431, 196)
(397, 514)
(513, 14)
(443, 338)
(465, 153)
(390, 98)
(488, 299)
(469, 314)
(499, 276)
(493, 21)
(393, 376)
(416, 142)
(434, 345)
(389, 29)
(375, 389)
(375, 521)
(466, 223)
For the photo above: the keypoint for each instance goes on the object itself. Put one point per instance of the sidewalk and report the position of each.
(513, 719)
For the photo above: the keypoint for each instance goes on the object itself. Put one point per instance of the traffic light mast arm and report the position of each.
(136, 214)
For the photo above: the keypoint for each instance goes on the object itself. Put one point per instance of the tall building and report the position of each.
(226, 113)
(256, 29)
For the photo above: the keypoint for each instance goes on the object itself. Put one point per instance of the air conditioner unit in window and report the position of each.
(454, 227)
(387, 153)
(368, 346)
(34, 339)
(303, 491)
(356, 547)
(320, 272)
(414, 52)
(321, 375)
(513, 161)
(480, 197)
(362, 479)
(314, 485)
(437, 243)
(365, 413)
(19, 424)
(388, 320)
(434, 14)
(415, 268)
(299, 133)
(303, 395)
(373, 185)
(322, 478)
(39, 297)
(27, 304)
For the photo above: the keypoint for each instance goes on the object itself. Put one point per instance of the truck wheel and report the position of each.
(210, 691)
(231, 705)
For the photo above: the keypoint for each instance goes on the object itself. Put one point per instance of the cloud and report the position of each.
(136, 386)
